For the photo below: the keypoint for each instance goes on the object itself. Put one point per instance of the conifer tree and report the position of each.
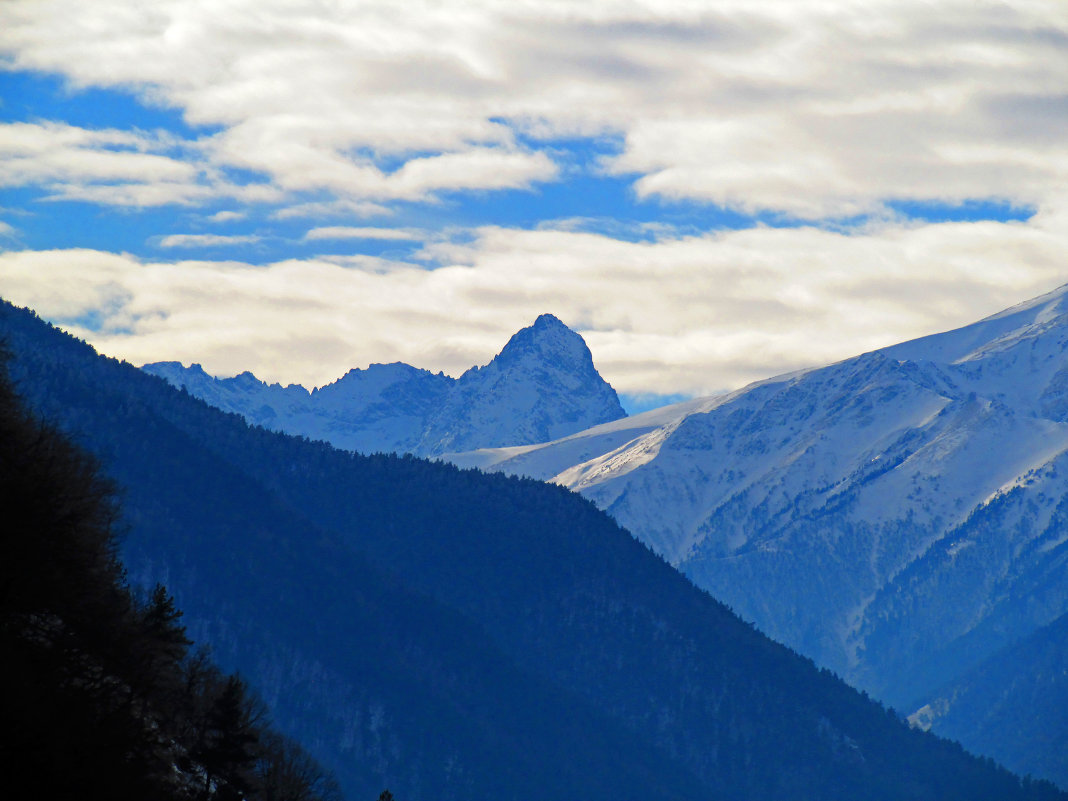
(228, 751)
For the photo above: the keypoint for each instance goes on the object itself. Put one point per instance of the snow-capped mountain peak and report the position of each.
(541, 386)
(547, 340)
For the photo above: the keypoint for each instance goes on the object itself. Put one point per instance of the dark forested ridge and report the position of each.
(1024, 697)
(101, 696)
(450, 634)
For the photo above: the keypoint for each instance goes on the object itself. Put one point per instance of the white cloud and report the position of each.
(349, 232)
(480, 168)
(205, 240)
(104, 166)
(808, 107)
(227, 216)
(51, 151)
(342, 208)
(113, 167)
(681, 314)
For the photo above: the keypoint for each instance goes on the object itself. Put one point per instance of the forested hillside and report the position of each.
(451, 635)
(102, 697)
(1013, 704)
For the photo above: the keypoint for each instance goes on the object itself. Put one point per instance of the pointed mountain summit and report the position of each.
(541, 386)
(548, 340)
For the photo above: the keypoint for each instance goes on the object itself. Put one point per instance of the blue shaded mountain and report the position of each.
(542, 386)
(454, 635)
(1011, 706)
(899, 517)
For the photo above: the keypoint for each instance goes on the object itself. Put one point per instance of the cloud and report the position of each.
(481, 168)
(678, 314)
(205, 240)
(114, 167)
(808, 108)
(341, 208)
(51, 151)
(335, 112)
(105, 166)
(227, 216)
(348, 232)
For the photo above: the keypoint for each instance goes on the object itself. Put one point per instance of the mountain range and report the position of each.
(541, 386)
(452, 634)
(900, 517)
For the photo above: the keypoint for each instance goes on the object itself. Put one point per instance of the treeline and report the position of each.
(103, 696)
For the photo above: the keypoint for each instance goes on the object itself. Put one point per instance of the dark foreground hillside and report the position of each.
(101, 696)
(455, 635)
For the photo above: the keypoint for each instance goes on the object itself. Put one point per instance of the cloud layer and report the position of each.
(311, 126)
(808, 108)
(677, 315)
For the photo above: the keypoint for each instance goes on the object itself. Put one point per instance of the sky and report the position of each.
(711, 193)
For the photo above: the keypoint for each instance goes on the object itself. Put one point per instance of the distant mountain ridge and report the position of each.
(899, 516)
(542, 386)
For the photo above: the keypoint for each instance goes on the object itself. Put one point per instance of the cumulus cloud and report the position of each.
(808, 108)
(680, 314)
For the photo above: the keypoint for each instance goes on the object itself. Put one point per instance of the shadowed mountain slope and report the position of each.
(1012, 705)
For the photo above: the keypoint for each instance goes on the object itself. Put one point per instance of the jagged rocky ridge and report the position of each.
(899, 516)
(455, 635)
(541, 386)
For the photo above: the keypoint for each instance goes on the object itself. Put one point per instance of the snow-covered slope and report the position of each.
(897, 516)
(543, 385)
